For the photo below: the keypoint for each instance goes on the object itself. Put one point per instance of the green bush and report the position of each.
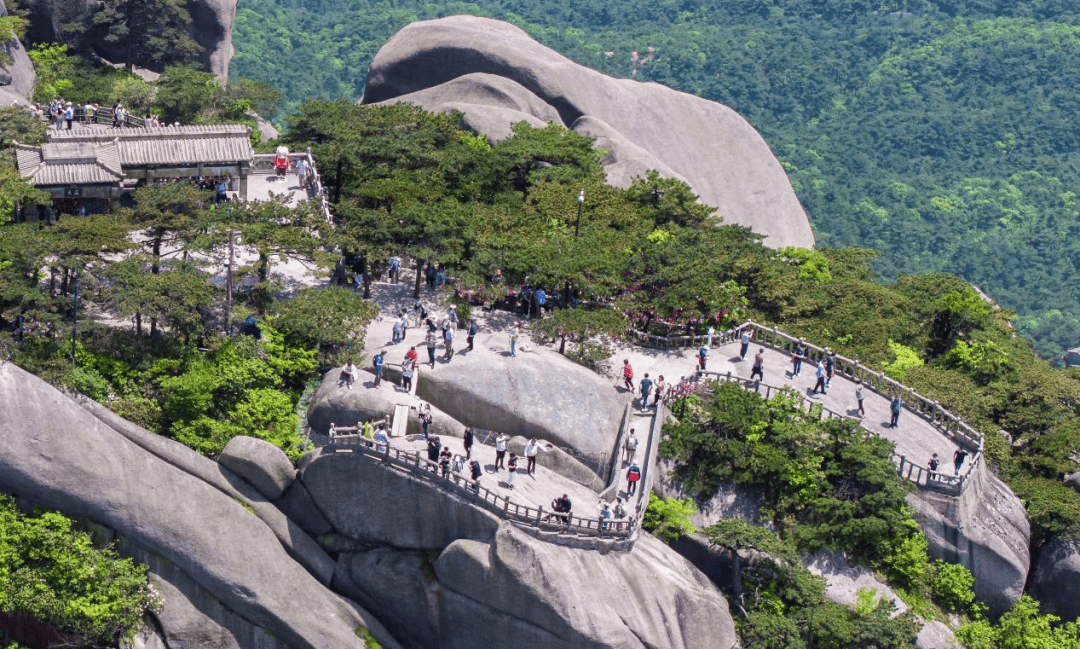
(951, 584)
(54, 574)
(669, 518)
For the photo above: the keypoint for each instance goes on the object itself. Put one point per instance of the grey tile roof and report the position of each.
(169, 145)
(70, 163)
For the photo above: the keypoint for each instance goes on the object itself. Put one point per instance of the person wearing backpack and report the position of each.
(633, 475)
(703, 357)
(646, 386)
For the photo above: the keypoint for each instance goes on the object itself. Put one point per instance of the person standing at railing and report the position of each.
(797, 357)
(702, 357)
(895, 407)
(859, 398)
(758, 368)
(958, 459)
(69, 115)
(605, 515)
(301, 173)
(476, 472)
(933, 464)
(659, 388)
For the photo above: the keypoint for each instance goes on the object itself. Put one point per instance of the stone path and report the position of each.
(915, 438)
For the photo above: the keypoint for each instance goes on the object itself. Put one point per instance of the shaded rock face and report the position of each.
(363, 500)
(1056, 583)
(1073, 480)
(520, 591)
(211, 27)
(17, 78)
(986, 529)
(61, 455)
(497, 75)
(259, 462)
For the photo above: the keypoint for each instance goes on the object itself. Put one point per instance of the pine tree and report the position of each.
(152, 32)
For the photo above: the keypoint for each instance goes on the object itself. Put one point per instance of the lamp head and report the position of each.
(581, 196)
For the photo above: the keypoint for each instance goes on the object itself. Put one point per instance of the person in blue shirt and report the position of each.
(703, 357)
(541, 300)
(377, 365)
(895, 408)
(646, 386)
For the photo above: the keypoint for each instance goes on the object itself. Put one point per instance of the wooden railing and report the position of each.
(413, 463)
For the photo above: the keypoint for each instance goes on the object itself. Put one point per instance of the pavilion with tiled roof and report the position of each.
(93, 163)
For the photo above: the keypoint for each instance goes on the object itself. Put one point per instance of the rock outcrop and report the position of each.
(61, 455)
(496, 75)
(259, 462)
(1056, 582)
(16, 78)
(986, 529)
(1073, 480)
(211, 27)
(541, 595)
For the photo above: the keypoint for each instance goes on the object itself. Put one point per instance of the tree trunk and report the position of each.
(138, 323)
(736, 581)
(129, 53)
(419, 277)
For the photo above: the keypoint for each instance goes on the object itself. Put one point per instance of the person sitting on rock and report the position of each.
(348, 375)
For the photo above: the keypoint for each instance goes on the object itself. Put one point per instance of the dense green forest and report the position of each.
(940, 133)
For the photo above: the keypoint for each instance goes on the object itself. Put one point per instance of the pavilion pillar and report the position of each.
(245, 169)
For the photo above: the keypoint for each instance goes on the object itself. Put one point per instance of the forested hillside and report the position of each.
(940, 133)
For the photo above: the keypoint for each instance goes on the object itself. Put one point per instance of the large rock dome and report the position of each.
(496, 75)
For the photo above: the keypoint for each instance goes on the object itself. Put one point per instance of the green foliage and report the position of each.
(150, 33)
(952, 585)
(905, 358)
(16, 123)
(813, 266)
(55, 575)
(369, 640)
(669, 518)
(333, 320)
(1021, 627)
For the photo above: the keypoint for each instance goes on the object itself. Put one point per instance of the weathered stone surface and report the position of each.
(336, 404)
(448, 64)
(843, 581)
(18, 77)
(560, 462)
(298, 505)
(731, 500)
(523, 592)
(986, 529)
(536, 394)
(56, 453)
(266, 129)
(298, 544)
(211, 27)
(1056, 583)
(364, 501)
(1073, 480)
(259, 462)
(936, 635)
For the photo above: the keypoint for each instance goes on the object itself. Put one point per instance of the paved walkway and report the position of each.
(915, 438)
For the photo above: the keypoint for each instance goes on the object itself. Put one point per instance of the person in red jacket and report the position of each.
(628, 375)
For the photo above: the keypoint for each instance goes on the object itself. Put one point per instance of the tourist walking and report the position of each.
(646, 386)
(830, 367)
(425, 418)
(759, 361)
(467, 440)
(377, 365)
(633, 475)
(958, 459)
(408, 366)
(659, 390)
(895, 408)
(820, 378)
(448, 336)
(702, 357)
(630, 447)
(431, 341)
(628, 375)
(500, 450)
(397, 333)
(859, 398)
